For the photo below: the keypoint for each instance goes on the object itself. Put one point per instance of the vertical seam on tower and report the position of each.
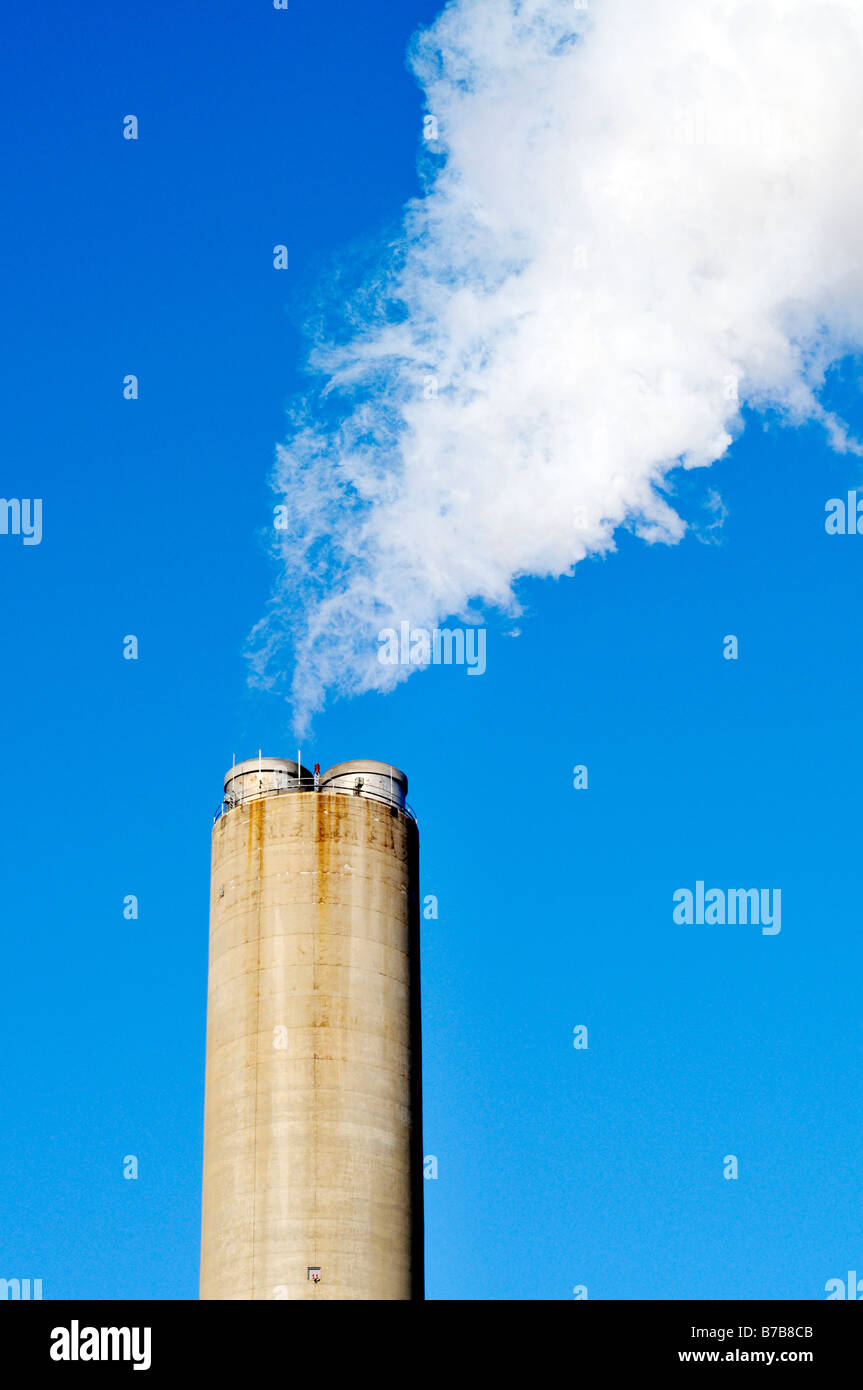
(259, 828)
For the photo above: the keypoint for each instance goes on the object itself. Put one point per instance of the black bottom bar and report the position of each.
(243, 1339)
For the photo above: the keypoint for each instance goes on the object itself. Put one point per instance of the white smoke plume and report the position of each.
(638, 217)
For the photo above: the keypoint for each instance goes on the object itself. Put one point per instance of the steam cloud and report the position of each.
(637, 218)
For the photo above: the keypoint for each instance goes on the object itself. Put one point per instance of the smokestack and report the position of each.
(312, 1183)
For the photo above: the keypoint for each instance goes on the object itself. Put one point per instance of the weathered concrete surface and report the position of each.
(312, 1129)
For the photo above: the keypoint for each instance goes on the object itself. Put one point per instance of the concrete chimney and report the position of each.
(312, 1183)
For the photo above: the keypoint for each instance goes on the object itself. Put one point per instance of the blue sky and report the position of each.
(557, 1167)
